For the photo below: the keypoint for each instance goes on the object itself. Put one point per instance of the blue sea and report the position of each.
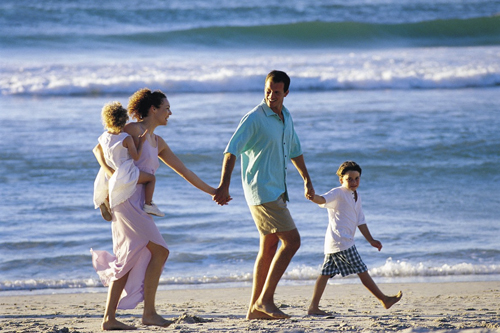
(409, 89)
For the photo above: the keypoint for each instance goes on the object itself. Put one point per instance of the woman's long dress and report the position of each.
(132, 230)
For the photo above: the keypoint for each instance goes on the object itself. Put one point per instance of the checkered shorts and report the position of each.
(344, 262)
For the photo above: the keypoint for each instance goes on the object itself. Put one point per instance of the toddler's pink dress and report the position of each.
(132, 230)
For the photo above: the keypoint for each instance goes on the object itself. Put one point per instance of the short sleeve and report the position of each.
(242, 136)
(331, 198)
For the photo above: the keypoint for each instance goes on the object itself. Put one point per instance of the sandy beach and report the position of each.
(444, 307)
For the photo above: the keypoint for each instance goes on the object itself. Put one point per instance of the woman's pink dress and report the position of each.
(132, 230)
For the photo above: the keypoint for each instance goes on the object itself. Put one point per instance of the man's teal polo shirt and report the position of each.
(266, 145)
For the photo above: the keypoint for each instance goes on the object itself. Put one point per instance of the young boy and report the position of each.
(341, 257)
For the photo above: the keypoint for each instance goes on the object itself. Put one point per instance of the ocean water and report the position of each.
(408, 89)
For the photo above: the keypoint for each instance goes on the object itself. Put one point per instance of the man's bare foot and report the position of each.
(391, 300)
(156, 320)
(317, 312)
(270, 310)
(113, 325)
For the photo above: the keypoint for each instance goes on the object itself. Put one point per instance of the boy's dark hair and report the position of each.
(279, 76)
(348, 166)
(140, 102)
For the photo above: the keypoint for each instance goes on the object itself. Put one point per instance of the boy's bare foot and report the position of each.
(270, 310)
(317, 312)
(113, 325)
(391, 300)
(156, 320)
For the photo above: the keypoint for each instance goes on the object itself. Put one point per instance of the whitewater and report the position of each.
(408, 89)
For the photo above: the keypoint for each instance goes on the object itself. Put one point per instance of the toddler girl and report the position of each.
(120, 152)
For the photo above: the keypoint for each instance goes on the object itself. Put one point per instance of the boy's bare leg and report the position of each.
(319, 288)
(387, 301)
(109, 321)
(159, 255)
(149, 188)
(290, 243)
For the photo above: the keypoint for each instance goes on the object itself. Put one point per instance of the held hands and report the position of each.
(309, 191)
(221, 196)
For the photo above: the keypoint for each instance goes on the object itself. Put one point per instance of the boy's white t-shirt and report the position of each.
(344, 215)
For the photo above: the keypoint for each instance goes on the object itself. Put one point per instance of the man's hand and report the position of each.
(309, 191)
(222, 196)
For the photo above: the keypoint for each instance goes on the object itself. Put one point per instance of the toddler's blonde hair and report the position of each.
(114, 117)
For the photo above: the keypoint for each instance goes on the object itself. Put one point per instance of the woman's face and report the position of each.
(163, 112)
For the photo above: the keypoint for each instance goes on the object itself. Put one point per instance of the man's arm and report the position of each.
(222, 196)
(300, 164)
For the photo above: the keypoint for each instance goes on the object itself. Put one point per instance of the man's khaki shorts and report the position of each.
(272, 217)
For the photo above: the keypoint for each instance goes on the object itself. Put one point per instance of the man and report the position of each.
(266, 141)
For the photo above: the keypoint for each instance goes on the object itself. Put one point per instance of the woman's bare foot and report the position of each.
(317, 312)
(156, 320)
(254, 314)
(113, 325)
(270, 310)
(391, 300)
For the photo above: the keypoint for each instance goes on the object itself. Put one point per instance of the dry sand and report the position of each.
(443, 307)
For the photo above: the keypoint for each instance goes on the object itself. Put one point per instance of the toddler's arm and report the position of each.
(99, 155)
(373, 242)
(135, 152)
(318, 199)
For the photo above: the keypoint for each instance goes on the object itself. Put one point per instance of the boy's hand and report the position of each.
(377, 244)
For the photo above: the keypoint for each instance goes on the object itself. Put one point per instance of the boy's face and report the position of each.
(350, 180)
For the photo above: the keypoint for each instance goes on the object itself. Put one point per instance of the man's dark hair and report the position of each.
(279, 76)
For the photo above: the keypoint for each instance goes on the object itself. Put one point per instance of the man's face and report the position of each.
(274, 95)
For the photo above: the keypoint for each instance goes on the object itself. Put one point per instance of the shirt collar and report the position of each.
(269, 112)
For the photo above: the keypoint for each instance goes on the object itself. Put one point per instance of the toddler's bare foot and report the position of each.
(156, 320)
(317, 312)
(112, 325)
(391, 300)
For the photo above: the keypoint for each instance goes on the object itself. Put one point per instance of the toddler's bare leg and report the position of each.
(387, 301)
(149, 180)
(319, 288)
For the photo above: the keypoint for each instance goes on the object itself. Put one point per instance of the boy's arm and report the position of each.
(373, 242)
(318, 199)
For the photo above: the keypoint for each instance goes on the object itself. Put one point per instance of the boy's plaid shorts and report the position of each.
(344, 262)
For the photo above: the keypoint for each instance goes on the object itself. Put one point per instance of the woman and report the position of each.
(140, 250)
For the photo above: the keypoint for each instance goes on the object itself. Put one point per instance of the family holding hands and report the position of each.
(265, 140)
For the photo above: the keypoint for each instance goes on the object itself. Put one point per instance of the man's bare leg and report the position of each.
(109, 321)
(159, 255)
(387, 301)
(290, 243)
(267, 250)
(319, 288)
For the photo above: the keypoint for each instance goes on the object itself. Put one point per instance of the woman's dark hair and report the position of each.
(142, 100)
